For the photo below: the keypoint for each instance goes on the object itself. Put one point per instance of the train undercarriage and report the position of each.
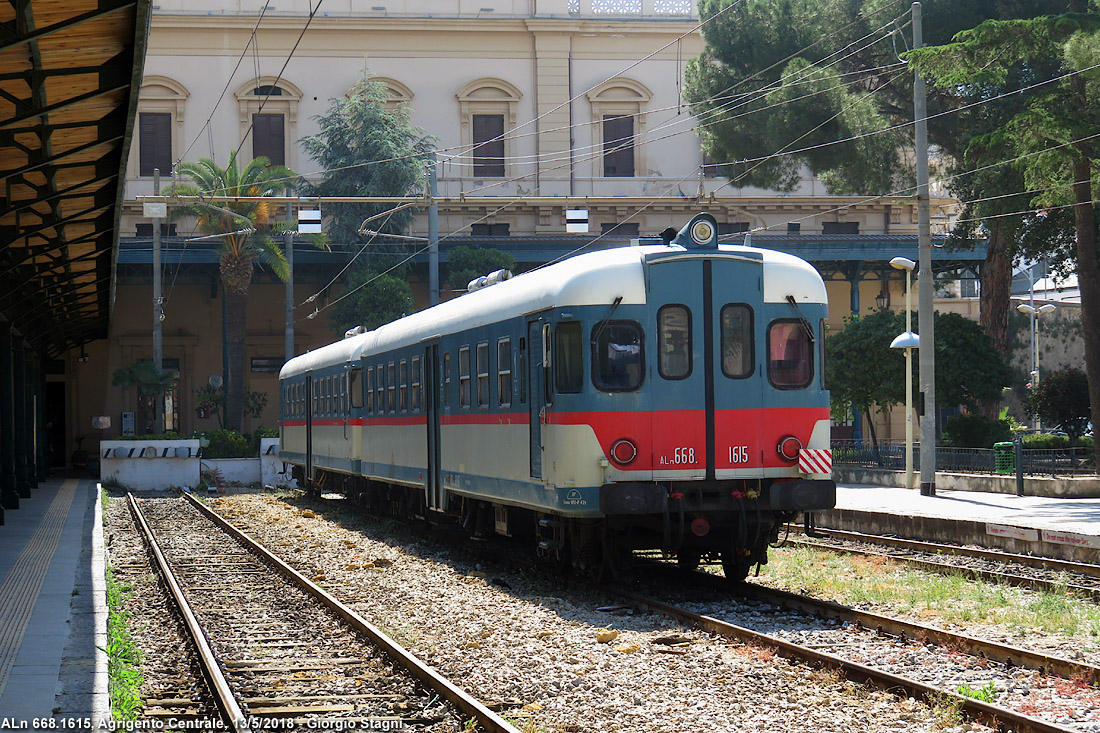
(731, 523)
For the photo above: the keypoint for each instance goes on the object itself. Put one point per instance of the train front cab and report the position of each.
(736, 398)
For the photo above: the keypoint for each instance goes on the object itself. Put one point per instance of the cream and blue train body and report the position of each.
(663, 396)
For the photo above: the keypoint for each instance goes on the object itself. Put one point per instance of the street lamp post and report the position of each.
(907, 341)
(1035, 313)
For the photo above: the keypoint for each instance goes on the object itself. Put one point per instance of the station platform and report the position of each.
(1062, 528)
(53, 614)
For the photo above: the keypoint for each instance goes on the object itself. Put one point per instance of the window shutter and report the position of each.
(489, 146)
(155, 143)
(267, 138)
(618, 146)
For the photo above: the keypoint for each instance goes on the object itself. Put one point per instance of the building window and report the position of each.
(618, 107)
(166, 230)
(489, 146)
(622, 229)
(489, 230)
(732, 227)
(483, 374)
(618, 146)
(155, 143)
(504, 372)
(268, 139)
(840, 227)
(266, 364)
(268, 109)
(488, 110)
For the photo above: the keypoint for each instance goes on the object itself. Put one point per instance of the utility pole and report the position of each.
(925, 303)
(288, 245)
(158, 313)
(433, 233)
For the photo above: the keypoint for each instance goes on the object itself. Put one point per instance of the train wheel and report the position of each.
(736, 565)
(688, 559)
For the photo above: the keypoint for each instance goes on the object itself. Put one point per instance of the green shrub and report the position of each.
(976, 431)
(226, 444)
(257, 434)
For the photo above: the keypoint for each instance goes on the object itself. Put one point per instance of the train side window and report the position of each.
(355, 388)
(618, 356)
(568, 357)
(315, 398)
(414, 397)
(521, 367)
(380, 390)
(504, 372)
(464, 376)
(674, 346)
(403, 371)
(738, 352)
(447, 378)
(391, 387)
(483, 374)
(370, 389)
(790, 355)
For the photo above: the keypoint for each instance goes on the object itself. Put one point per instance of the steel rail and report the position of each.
(995, 716)
(945, 568)
(232, 715)
(489, 721)
(1050, 563)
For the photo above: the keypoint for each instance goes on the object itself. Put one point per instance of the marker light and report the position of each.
(623, 451)
(788, 448)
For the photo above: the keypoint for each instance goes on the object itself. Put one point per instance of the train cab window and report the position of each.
(618, 357)
(738, 353)
(504, 372)
(674, 342)
(464, 376)
(822, 371)
(483, 374)
(370, 389)
(391, 387)
(568, 358)
(403, 394)
(414, 395)
(790, 355)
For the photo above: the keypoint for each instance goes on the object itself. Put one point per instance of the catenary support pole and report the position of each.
(925, 304)
(158, 314)
(288, 245)
(433, 233)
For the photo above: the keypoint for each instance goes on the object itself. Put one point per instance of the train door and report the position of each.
(311, 404)
(707, 412)
(433, 480)
(538, 364)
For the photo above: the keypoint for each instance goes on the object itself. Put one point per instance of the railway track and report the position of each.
(1081, 579)
(833, 647)
(276, 650)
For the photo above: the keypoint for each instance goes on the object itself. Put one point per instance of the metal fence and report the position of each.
(890, 455)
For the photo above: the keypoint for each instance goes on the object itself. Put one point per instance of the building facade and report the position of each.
(579, 100)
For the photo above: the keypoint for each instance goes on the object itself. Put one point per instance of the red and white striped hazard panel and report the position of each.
(815, 461)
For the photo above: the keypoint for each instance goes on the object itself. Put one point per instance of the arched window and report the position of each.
(618, 123)
(488, 111)
(269, 120)
(161, 104)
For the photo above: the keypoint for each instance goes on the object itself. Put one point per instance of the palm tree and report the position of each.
(151, 383)
(242, 240)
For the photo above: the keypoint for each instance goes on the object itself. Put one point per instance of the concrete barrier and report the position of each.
(150, 464)
(1068, 487)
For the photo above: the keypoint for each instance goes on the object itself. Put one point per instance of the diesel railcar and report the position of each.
(666, 396)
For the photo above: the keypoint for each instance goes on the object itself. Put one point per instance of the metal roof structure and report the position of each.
(70, 71)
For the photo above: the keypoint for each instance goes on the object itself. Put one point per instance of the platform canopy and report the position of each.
(70, 71)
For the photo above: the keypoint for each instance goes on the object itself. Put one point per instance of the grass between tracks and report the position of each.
(951, 598)
(123, 657)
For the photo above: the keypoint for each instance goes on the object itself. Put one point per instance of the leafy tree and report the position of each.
(466, 263)
(863, 370)
(242, 240)
(1062, 399)
(386, 298)
(150, 382)
(1050, 131)
(831, 73)
(976, 431)
(367, 149)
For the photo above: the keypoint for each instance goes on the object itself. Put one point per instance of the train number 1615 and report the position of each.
(739, 454)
